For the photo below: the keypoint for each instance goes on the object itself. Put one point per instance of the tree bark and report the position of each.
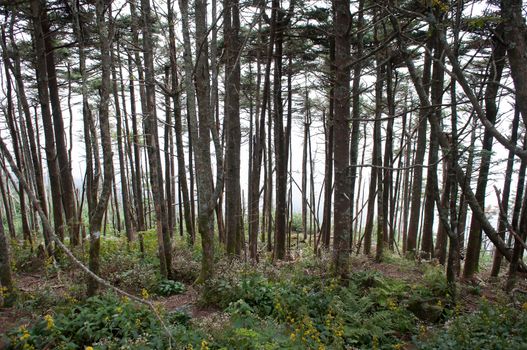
(152, 142)
(66, 179)
(43, 97)
(231, 28)
(341, 154)
(497, 62)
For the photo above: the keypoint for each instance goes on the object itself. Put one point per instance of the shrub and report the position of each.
(491, 327)
(169, 287)
(106, 322)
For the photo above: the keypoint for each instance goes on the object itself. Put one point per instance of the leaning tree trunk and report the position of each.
(15, 141)
(34, 150)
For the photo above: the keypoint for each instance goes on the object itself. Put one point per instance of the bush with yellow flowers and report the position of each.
(104, 322)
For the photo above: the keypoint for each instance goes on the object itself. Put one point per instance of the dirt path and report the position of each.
(188, 302)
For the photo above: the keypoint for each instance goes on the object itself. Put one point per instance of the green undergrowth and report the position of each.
(492, 326)
(287, 305)
(103, 322)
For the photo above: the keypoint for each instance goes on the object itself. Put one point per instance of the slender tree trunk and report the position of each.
(355, 127)
(388, 211)
(496, 63)
(153, 149)
(137, 184)
(377, 152)
(432, 190)
(66, 179)
(328, 166)
(15, 141)
(169, 202)
(99, 208)
(304, 165)
(178, 130)
(258, 151)
(6, 278)
(279, 143)
(341, 154)
(231, 27)
(43, 97)
(201, 134)
(418, 162)
(34, 150)
(127, 211)
(502, 223)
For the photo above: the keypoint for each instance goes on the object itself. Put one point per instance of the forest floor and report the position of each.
(396, 304)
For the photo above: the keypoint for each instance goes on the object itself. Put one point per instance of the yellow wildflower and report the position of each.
(49, 321)
(524, 306)
(204, 345)
(375, 343)
(391, 304)
(88, 348)
(24, 336)
(144, 293)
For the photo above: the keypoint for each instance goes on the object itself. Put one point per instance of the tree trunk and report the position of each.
(497, 62)
(200, 133)
(432, 190)
(43, 97)
(377, 150)
(99, 208)
(231, 27)
(341, 154)
(152, 141)
(502, 223)
(128, 222)
(66, 179)
(6, 278)
(279, 142)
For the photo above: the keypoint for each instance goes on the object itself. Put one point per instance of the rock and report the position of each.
(426, 310)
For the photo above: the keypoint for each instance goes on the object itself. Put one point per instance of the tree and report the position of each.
(6, 278)
(152, 141)
(231, 27)
(66, 179)
(341, 157)
(43, 97)
(99, 207)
